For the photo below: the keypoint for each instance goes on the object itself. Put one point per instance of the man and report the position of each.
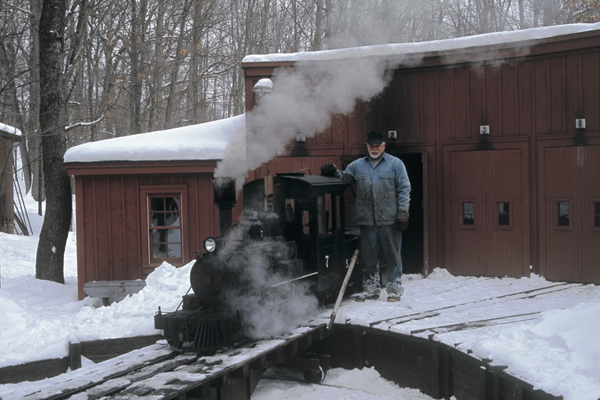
(382, 202)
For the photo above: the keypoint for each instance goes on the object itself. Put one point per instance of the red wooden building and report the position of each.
(145, 199)
(501, 137)
(522, 196)
(8, 137)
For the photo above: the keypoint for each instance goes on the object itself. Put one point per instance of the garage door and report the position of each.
(570, 214)
(487, 216)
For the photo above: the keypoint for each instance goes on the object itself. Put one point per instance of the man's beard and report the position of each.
(375, 158)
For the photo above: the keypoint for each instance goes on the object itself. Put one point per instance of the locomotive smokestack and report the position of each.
(225, 200)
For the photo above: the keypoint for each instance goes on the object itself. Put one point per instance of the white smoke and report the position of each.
(303, 100)
(268, 308)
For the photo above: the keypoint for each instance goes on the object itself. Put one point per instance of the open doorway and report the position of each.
(412, 239)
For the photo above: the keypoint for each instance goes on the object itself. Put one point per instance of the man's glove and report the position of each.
(328, 169)
(402, 220)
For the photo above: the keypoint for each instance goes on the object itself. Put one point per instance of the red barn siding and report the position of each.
(570, 253)
(530, 99)
(112, 233)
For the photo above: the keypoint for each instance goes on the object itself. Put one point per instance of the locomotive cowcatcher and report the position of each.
(292, 225)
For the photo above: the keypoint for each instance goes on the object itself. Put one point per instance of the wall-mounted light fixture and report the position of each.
(393, 135)
(580, 123)
(263, 86)
(484, 130)
(300, 137)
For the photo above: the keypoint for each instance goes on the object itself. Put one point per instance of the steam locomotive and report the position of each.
(292, 232)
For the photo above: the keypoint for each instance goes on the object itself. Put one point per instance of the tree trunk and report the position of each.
(179, 56)
(53, 237)
(32, 135)
(155, 90)
(135, 91)
(318, 37)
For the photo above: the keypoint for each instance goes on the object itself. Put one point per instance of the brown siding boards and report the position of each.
(81, 234)
(557, 95)
(507, 246)
(110, 228)
(478, 103)
(509, 101)
(574, 93)
(116, 235)
(542, 96)
(429, 108)
(570, 253)
(562, 184)
(465, 179)
(590, 184)
(131, 224)
(461, 102)
(399, 105)
(524, 107)
(485, 178)
(354, 129)
(492, 114)
(446, 109)
(103, 245)
(415, 111)
(590, 91)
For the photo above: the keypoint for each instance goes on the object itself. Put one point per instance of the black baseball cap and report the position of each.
(375, 138)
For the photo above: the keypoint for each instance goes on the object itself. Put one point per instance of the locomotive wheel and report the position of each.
(313, 375)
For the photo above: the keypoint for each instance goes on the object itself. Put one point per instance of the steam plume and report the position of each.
(303, 101)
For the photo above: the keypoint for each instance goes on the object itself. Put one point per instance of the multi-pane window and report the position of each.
(564, 210)
(165, 227)
(468, 213)
(503, 213)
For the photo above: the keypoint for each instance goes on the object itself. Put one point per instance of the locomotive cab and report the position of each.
(309, 211)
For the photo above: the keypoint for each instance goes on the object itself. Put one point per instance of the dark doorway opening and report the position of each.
(413, 237)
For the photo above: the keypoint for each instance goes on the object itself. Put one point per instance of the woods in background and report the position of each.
(134, 66)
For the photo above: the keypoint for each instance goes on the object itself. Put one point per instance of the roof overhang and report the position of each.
(10, 136)
(478, 49)
(141, 167)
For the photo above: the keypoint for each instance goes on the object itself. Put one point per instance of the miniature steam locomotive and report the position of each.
(292, 232)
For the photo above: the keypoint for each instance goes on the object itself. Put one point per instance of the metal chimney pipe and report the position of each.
(224, 200)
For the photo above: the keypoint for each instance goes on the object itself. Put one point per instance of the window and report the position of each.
(468, 213)
(327, 222)
(305, 224)
(163, 218)
(564, 213)
(503, 213)
(165, 227)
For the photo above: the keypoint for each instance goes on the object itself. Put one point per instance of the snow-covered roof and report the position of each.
(205, 141)
(11, 130)
(446, 45)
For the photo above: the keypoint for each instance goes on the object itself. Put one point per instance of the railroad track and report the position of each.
(525, 294)
(481, 323)
(157, 372)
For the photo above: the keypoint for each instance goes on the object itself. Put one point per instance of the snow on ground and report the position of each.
(365, 384)
(553, 345)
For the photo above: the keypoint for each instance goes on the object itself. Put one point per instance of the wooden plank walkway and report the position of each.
(157, 372)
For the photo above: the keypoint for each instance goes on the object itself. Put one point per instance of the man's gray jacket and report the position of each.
(382, 189)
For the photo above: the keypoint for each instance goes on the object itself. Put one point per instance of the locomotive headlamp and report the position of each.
(210, 245)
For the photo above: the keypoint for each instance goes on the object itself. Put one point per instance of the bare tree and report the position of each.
(53, 237)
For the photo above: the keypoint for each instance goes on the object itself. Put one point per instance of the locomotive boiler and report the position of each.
(292, 232)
